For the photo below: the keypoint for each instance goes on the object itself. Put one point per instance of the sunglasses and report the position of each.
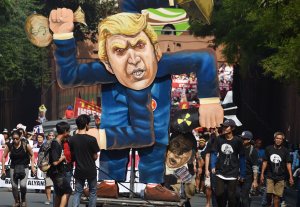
(16, 139)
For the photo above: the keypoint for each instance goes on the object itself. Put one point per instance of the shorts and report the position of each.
(61, 185)
(275, 187)
(48, 182)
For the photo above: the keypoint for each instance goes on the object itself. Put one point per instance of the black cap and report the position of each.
(229, 122)
(5, 131)
(246, 135)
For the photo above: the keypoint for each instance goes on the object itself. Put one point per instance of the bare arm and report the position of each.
(207, 158)
(4, 155)
(30, 152)
(263, 168)
(289, 168)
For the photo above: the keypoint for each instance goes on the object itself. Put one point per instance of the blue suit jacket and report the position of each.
(126, 123)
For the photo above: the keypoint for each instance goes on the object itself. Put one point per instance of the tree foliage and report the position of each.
(258, 33)
(20, 61)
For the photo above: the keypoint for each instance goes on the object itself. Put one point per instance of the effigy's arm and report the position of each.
(70, 73)
(203, 63)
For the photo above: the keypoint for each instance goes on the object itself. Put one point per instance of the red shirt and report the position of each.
(67, 151)
(69, 114)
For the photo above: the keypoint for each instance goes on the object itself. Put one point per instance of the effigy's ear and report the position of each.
(158, 52)
(108, 67)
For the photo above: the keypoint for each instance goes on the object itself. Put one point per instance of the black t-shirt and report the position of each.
(228, 156)
(251, 159)
(55, 154)
(83, 147)
(277, 159)
(18, 156)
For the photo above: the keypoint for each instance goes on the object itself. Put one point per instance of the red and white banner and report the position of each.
(38, 182)
(84, 107)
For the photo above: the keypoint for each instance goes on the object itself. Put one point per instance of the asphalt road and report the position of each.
(37, 199)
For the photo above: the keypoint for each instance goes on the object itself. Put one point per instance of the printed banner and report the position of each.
(38, 182)
(84, 107)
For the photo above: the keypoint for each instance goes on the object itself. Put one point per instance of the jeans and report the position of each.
(79, 186)
(23, 185)
(213, 189)
(243, 191)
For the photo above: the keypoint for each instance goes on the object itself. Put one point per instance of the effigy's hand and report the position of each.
(61, 20)
(211, 115)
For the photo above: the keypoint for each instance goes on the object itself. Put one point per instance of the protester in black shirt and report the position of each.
(250, 180)
(210, 178)
(276, 162)
(229, 165)
(20, 154)
(84, 149)
(57, 171)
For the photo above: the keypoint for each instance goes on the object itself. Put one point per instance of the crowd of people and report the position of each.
(228, 168)
(19, 146)
(233, 168)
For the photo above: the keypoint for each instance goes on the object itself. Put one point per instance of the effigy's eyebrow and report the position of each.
(134, 42)
(119, 45)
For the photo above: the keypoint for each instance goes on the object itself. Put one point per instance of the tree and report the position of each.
(255, 33)
(20, 61)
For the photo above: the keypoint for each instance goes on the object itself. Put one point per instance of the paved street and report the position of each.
(37, 199)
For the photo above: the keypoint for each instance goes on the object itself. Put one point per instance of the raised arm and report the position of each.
(69, 72)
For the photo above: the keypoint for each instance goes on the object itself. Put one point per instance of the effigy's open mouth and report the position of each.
(138, 73)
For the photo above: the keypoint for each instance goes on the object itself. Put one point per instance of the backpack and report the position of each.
(43, 156)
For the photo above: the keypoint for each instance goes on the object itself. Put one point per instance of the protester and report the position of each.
(57, 171)
(202, 150)
(6, 135)
(69, 113)
(84, 149)
(29, 137)
(276, 162)
(48, 181)
(210, 177)
(297, 176)
(250, 180)
(20, 154)
(69, 161)
(2, 141)
(40, 141)
(97, 121)
(229, 163)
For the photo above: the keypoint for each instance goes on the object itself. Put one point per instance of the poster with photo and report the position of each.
(184, 87)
